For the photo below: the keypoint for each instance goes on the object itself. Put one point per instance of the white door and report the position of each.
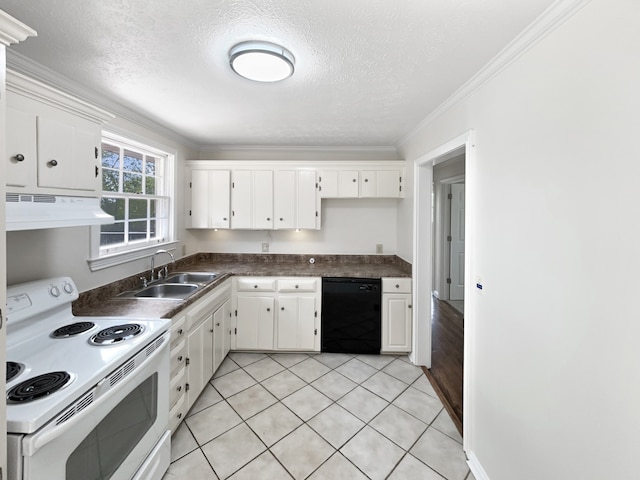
(456, 291)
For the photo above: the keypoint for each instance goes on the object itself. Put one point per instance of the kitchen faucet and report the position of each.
(166, 267)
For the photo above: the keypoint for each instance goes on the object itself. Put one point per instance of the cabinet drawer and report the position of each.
(178, 330)
(176, 387)
(298, 285)
(177, 413)
(256, 285)
(178, 356)
(396, 285)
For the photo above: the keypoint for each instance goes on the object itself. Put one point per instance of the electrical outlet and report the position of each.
(378, 248)
(265, 247)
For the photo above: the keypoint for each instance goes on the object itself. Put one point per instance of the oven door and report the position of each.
(111, 437)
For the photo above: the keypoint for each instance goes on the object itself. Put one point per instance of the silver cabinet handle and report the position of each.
(52, 163)
(19, 157)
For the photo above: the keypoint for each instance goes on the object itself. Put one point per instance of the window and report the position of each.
(137, 190)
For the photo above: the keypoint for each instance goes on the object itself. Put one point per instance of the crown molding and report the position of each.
(547, 22)
(34, 89)
(12, 30)
(27, 67)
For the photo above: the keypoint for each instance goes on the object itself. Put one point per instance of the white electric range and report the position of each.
(87, 397)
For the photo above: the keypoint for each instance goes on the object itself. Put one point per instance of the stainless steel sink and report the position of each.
(177, 286)
(168, 290)
(190, 277)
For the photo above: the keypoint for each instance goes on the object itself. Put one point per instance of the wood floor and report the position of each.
(447, 347)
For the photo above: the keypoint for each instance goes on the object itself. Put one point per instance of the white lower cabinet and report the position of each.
(197, 349)
(277, 314)
(396, 315)
(254, 322)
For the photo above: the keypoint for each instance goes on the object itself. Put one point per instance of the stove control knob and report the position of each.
(67, 287)
(54, 291)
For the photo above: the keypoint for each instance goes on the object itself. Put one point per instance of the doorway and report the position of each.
(429, 269)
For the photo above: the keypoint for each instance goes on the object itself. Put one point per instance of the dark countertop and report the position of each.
(103, 301)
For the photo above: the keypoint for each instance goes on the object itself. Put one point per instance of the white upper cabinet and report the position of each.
(380, 184)
(284, 194)
(295, 200)
(367, 182)
(53, 141)
(252, 199)
(272, 195)
(21, 148)
(210, 198)
(338, 183)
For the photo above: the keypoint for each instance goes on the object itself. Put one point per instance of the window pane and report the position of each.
(111, 234)
(137, 208)
(131, 183)
(132, 161)
(150, 168)
(110, 156)
(150, 185)
(152, 229)
(137, 231)
(152, 208)
(110, 180)
(113, 206)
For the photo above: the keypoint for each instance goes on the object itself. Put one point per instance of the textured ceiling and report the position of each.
(367, 71)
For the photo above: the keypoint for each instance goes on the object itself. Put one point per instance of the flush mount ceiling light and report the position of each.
(261, 61)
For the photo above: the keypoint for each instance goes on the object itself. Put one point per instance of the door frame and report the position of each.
(423, 260)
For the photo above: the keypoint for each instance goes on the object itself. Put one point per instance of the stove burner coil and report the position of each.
(72, 329)
(116, 334)
(38, 387)
(13, 369)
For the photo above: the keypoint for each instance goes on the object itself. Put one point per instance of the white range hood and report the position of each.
(31, 212)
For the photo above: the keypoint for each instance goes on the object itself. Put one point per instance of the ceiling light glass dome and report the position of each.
(261, 61)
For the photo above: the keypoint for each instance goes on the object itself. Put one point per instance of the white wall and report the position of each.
(556, 390)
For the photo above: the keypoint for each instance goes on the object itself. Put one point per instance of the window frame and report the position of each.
(106, 257)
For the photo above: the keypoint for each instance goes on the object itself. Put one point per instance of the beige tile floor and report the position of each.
(326, 416)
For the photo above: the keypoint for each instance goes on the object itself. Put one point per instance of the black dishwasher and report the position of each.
(351, 315)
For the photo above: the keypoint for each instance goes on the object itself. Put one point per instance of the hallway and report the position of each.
(447, 355)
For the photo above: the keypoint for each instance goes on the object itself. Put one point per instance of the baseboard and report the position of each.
(475, 467)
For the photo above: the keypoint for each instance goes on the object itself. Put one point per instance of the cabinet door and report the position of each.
(227, 330)
(284, 199)
(21, 148)
(210, 190)
(348, 184)
(396, 323)
(328, 183)
(296, 323)
(380, 184)
(220, 335)
(263, 199)
(254, 323)
(368, 184)
(67, 156)
(388, 184)
(200, 355)
(307, 203)
(242, 199)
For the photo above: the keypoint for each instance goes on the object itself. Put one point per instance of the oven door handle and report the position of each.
(51, 432)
